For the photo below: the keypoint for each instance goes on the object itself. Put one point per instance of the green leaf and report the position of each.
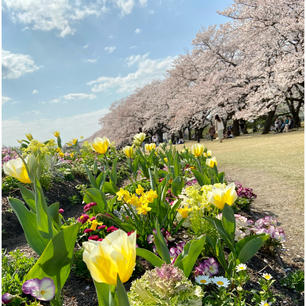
(187, 259)
(100, 180)
(95, 195)
(109, 187)
(177, 185)
(91, 178)
(53, 212)
(221, 177)
(161, 245)
(199, 176)
(251, 246)
(228, 221)
(150, 257)
(28, 196)
(55, 261)
(43, 221)
(104, 294)
(27, 220)
(121, 294)
(114, 171)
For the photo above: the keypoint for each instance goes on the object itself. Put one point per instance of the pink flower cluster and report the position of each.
(244, 192)
(8, 154)
(88, 206)
(207, 267)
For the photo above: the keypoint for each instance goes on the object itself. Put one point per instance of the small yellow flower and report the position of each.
(211, 162)
(74, 141)
(100, 145)
(197, 149)
(143, 209)
(128, 151)
(61, 154)
(150, 195)
(123, 194)
(56, 134)
(149, 147)
(72, 155)
(134, 200)
(184, 211)
(139, 190)
(166, 159)
(29, 136)
(94, 224)
(139, 138)
(58, 150)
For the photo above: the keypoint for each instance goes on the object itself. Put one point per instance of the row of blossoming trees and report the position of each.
(244, 68)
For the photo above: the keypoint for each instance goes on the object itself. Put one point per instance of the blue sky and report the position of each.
(65, 61)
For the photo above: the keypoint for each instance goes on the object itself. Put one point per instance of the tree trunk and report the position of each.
(295, 112)
(235, 129)
(189, 133)
(160, 136)
(199, 132)
(268, 122)
(181, 134)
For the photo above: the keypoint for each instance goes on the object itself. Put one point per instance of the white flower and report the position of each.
(203, 280)
(267, 276)
(241, 267)
(264, 303)
(220, 281)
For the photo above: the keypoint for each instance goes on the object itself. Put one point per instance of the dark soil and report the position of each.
(80, 291)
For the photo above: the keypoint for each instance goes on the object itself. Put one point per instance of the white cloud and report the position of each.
(6, 99)
(15, 65)
(34, 92)
(110, 49)
(70, 97)
(85, 46)
(42, 129)
(138, 31)
(125, 6)
(62, 15)
(91, 60)
(147, 71)
(143, 2)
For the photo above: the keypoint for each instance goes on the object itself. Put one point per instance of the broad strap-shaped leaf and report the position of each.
(54, 214)
(43, 220)
(177, 185)
(28, 196)
(100, 180)
(55, 261)
(95, 195)
(104, 294)
(249, 247)
(187, 259)
(161, 245)
(150, 257)
(229, 221)
(27, 220)
(109, 187)
(121, 294)
(91, 178)
(199, 176)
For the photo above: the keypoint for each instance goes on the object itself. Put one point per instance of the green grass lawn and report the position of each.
(279, 156)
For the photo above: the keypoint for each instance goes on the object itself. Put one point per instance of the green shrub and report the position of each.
(294, 280)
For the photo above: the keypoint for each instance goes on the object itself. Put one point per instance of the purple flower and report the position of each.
(43, 290)
(207, 267)
(7, 298)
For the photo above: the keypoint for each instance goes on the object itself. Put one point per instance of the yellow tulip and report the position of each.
(29, 136)
(149, 147)
(16, 168)
(139, 138)
(128, 151)
(115, 255)
(56, 134)
(208, 153)
(197, 149)
(217, 197)
(100, 145)
(230, 194)
(211, 162)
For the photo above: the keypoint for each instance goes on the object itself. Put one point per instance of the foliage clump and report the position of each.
(165, 286)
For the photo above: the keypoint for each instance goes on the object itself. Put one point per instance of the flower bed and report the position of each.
(170, 232)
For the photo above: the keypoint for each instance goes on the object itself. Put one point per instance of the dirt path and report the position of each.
(277, 198)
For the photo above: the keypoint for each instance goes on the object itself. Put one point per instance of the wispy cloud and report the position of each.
(110, 49)
(91, 60)
(146, 70)
(6, 99)
(15, 65)
(143, 2)
(42, 129)
(71, 97)
(137, 31)
(34, 92)
(85, 46)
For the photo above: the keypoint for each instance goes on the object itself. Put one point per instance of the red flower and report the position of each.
(88, 230)
(93, 218)
(93, 237)
(60, 210)
(89, 206)
(100, 239)
(112, 229)
(102, 226)
(83, 218)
